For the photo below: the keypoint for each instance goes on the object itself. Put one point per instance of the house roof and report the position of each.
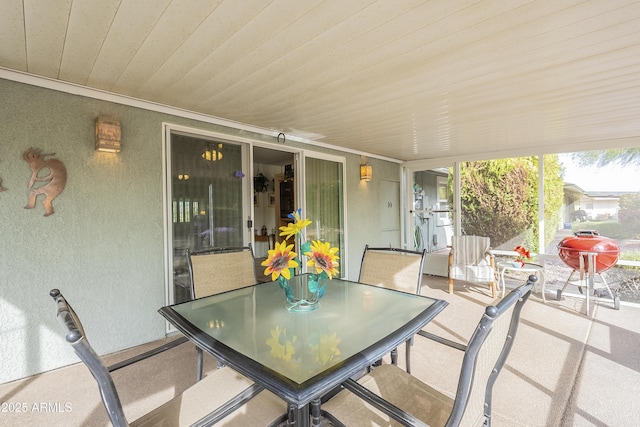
(409, 80)
(608, 194)
(573, 188)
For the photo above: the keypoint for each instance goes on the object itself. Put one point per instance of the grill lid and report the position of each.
(607, 250)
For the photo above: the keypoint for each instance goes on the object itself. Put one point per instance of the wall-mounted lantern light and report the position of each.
(365, 173)
(108, 134)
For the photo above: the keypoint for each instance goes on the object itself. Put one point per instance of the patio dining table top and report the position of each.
(302, 356)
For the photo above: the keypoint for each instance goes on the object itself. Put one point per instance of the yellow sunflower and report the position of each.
(280, 260)
(323, 257)
(294, 227)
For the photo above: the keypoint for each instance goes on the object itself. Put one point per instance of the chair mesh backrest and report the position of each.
(220, 270)
(485, 356)
(74, 334)
(392, 268)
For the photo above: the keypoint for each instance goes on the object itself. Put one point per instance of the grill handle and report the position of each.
(588, 233)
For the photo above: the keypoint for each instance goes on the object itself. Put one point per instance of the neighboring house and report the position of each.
(581, 205)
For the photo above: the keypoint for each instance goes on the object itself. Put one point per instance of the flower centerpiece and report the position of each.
(523, 257)
(302, 293)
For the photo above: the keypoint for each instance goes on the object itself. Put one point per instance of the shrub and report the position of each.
(611, 229)
(499, 199)
(629, 214)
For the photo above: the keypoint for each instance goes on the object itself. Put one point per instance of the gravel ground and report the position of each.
(625, 282)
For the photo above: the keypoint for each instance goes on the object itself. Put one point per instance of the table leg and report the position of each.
(541, 278)
(315, 413)
(298, 417)
(504, 286)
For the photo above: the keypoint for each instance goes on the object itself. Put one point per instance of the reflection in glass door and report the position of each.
(206, 201)
(432, 210)
(432, 217)
(324, 186)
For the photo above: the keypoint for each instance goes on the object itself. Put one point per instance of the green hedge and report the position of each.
(499, 199)
(611, 229)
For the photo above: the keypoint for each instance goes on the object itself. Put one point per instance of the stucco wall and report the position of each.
(365, 202)
(103, 246)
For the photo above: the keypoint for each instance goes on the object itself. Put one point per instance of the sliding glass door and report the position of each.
(207, 207)
(209, 203)
(324, 187)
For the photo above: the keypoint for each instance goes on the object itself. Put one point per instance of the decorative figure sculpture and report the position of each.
(57, 178)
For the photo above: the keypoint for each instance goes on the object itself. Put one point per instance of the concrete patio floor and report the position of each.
(566, 368)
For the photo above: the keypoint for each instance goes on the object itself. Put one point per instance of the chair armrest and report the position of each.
(443, 341)
(147, 354)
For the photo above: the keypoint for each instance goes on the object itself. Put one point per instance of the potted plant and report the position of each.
(260, 183)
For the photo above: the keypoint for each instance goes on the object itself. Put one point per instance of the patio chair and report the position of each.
(393, 268)
(223, 398)
(216, 270)
(409, 401)
(471, 260)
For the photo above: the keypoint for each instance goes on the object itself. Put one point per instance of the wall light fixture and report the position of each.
(365, 173)
(108, 134)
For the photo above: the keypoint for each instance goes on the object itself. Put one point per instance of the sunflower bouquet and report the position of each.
(282, 261)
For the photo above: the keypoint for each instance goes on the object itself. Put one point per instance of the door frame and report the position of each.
(344, 259)
(247, 145)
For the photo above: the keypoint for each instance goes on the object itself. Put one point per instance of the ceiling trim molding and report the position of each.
(559, 148)
(76, 89)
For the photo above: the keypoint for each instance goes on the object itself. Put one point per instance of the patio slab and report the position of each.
(565, 369)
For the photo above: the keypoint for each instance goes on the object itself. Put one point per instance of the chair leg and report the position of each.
(492, 286)
(394, 357)
(449, 265)
(200, 362)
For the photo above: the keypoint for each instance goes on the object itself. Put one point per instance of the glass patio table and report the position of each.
(300, 356)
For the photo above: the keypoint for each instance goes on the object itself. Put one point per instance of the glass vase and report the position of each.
(303, 293)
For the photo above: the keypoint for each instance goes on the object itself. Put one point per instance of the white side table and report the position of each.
(526, 268)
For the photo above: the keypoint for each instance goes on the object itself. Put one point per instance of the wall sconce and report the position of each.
(213, 154)
(108, 134)
(365, 173)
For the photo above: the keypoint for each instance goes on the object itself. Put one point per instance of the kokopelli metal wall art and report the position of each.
(56, 178)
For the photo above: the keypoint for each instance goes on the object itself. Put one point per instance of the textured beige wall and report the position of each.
(365, 202)
(103, 246)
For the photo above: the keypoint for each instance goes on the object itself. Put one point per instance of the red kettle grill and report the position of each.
(605, 253)
(589, 241)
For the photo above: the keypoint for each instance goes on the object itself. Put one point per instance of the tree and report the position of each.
(629, 213)
(553, 195)
(499, 199)
(621, 156)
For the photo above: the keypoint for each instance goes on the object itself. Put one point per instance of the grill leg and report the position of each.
(565, 285)
(614, 297)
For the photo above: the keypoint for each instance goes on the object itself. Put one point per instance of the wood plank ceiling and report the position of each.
(404, 79)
